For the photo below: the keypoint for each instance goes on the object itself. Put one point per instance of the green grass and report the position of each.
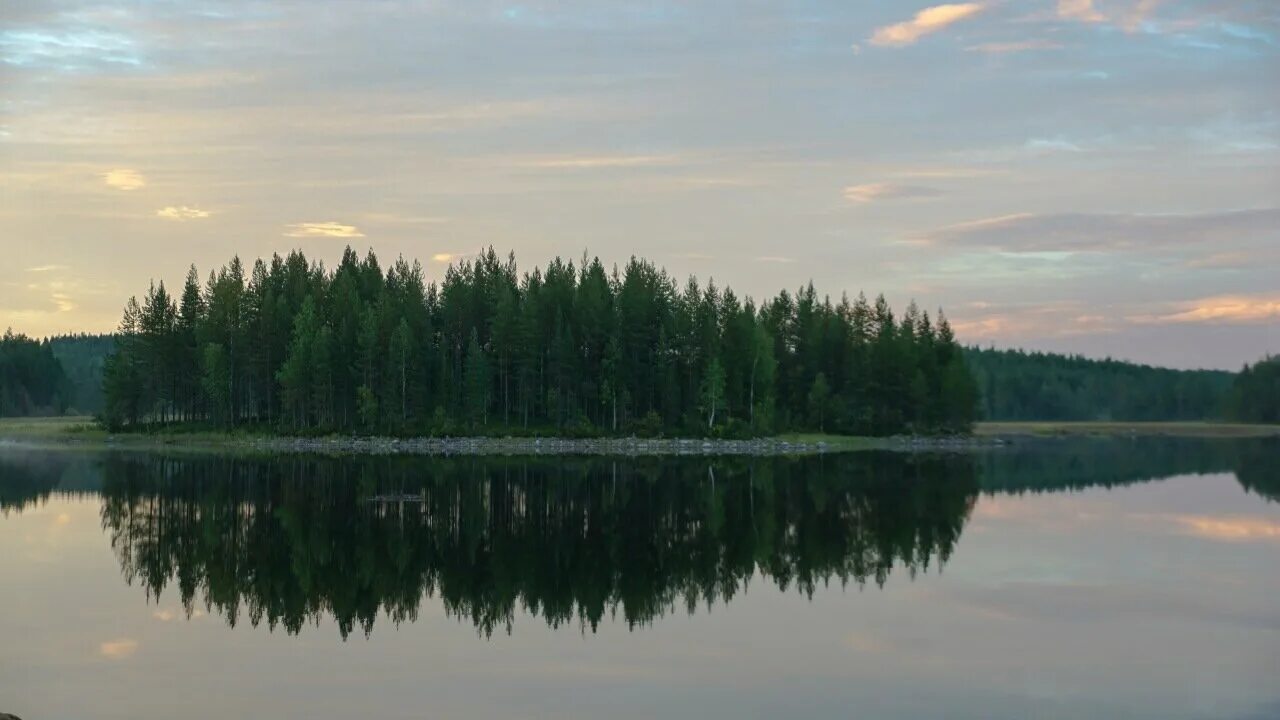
(1174, 429)
(48, 427)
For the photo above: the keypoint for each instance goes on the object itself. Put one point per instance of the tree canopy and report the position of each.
(32, 381)
(1255, 395)
(1019, 385)
(568, 349)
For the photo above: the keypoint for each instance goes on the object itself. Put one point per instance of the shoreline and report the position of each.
(494, 447)
(79, 433)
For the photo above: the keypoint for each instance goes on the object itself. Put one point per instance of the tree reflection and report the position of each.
(287, 541)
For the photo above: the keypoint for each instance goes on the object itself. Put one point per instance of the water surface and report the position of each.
(1104, 578)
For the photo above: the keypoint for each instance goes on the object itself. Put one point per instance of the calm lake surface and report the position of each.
(1056, 579)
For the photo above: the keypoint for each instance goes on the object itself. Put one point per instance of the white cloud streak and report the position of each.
(925, 22)
(322, 230)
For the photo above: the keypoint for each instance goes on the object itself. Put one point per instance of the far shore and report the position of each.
(83, 433)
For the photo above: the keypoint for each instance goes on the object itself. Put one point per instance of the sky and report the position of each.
(1091, 176)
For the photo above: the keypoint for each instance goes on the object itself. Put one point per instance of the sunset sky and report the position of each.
(1095, 176)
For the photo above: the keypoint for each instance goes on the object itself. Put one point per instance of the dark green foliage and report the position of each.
(83, 359)
(565, 349)
(1255, 396)
(570, 540)
(1018, 385)
(32, 381)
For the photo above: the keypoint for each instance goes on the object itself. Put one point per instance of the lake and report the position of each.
(1119, 578)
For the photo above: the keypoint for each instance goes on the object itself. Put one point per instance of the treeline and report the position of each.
(1255, 395)
(566, 349)
(32, 381)
(83, 358)
(1019, 385)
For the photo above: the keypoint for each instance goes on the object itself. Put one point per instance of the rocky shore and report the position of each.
(628, 446)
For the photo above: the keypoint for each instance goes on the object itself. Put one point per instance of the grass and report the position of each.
(48, 427)
(1173, 429)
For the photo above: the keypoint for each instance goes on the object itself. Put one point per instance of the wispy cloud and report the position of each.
(124, 179)
(1229, 529)
(774, 259)
(322, 230)
(181, 212)
(945, 173)
(1110, 232)
(1052, 145)
(46, 268)
(590, 162)
(1236, 309)
(871, 192)
(1142, 10)
(1082, 10)
(929, 20)
(990, 321)
(1005, 48)
(62, 302)
(118, 649)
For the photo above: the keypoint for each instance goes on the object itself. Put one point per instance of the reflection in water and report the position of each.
(286, 541)
(291, 540)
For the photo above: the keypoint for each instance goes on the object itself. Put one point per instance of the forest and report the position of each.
(565, 349)
(1018, 385)
(83, 358)
(32, 381)
(1256, 394)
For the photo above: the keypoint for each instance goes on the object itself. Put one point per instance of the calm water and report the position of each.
(1057, 580)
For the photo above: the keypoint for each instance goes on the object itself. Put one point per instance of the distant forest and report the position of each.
(1018, 385)
(61, 375)
(32, 381)
(563, 349)
(1256, 395)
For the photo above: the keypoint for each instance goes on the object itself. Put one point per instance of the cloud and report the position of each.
(871, 192)
(1088, 232)
(602, 161)
(46, 268)
(181, 212)
(1081, 10)
(447, 257)
(62, 302)
(1068, 318)
(774, 259)
(67, 51)
(1052, 145)
(1004, 48)
(1222, 261)
(322, 230)
(118, 649)
(398, 219)
(1229, 529)
(1135, 18)
(124, 179)
(1130, 21)
(926, 21)
(1233, 309)
(946, 173)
